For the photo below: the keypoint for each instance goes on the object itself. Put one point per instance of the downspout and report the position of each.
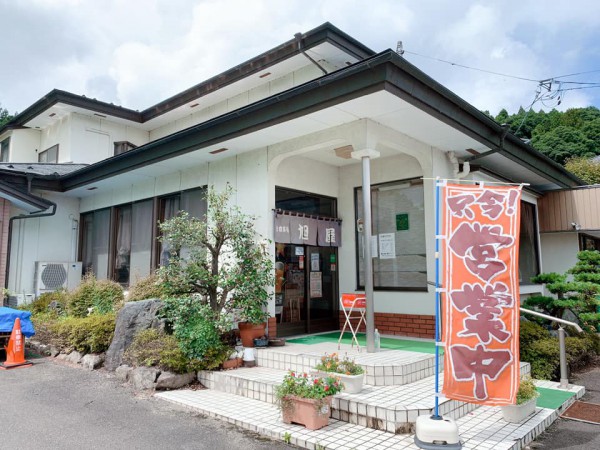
(21, 217)
(298, 37)
(459, 174)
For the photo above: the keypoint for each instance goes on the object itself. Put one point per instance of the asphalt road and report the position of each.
(571, 434)
(55, 406)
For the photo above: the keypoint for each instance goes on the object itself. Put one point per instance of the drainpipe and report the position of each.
(459, 174)
(22, 217)
(298, 37)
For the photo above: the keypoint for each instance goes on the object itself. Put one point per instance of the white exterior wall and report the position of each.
(205, 112)
(24, 145)
(58, 133)
(559, 251)
(93, 138)
(52, 238)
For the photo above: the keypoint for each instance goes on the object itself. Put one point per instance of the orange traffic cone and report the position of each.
(15, 350)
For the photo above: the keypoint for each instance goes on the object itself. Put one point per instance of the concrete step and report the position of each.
(389, 408)
(385, 368)
(482, 428)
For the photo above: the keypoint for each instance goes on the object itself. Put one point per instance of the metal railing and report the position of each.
(564, 381)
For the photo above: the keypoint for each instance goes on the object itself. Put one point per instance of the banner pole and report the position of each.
(436, 414)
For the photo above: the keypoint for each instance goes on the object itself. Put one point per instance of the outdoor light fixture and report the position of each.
(220, 150)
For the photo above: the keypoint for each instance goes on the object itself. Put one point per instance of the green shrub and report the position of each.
(99, 296)
(527, 391)
(92, 334)
(43, 324)
(531, 332)
(154, 348)
(544, 357)
(144, 288)
(198, 330)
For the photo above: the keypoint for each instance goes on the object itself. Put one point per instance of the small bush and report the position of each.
(43, 324)
(154, 348)
(92, 334)
(527, 391)
(544, 357)
(144, 288)
(198, 330)
(531, 332)
(99, 296)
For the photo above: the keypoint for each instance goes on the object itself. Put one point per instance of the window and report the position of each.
(123, 146)
(529, 265)
(4, 145)
(398, 222)
(118, 242)
(95, 234)
(49, 155)
(305, 202)
(587, 242)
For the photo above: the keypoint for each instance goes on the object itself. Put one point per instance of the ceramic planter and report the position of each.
(250, 331)
(353, 384)
(518, 413)
(312, 413)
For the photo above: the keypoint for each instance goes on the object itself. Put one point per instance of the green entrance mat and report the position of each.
(552, 398)
(389, 343)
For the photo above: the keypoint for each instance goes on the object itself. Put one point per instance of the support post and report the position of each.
(564, 379)
(365, 156)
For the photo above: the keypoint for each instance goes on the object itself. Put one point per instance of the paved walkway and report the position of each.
(571, 434)
(55, 406)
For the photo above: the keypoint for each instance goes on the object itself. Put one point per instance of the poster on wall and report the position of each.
(481, 295)
(387, 246)
(314, 262)
(316, 284)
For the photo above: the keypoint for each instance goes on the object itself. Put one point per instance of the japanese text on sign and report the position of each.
(481, 319)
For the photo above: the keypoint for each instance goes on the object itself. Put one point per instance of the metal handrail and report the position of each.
(564, 381)
(553, 319)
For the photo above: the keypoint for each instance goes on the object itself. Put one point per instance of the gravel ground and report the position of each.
(53, 405)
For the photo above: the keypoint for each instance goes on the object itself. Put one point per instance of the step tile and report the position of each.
(482, 428)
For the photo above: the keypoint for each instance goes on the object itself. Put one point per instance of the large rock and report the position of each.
(170, 380)
(133, 317)
(123, 371)
(144, 377)
(92, 361)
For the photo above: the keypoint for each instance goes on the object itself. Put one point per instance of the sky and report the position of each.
(135, 53)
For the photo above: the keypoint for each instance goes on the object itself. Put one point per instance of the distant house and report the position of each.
(281, 129)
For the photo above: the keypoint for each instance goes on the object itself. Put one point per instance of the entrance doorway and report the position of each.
(306, 289)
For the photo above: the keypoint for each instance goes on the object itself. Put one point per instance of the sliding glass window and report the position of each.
(398, 244)
(95, 232)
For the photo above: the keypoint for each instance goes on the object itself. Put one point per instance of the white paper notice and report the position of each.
(373, 246)
(387, 246)
(316, 285)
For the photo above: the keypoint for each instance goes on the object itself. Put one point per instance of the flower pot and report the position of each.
(518, 413)
(232, 363)
(353, 384)
(250, 331)
(310, 412)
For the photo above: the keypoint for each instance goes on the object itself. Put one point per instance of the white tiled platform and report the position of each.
(379, 417)
(385, 368)
(483, 428)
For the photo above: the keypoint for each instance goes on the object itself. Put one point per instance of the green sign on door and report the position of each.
(402, 222)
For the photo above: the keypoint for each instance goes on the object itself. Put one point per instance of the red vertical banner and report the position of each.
(480, 301)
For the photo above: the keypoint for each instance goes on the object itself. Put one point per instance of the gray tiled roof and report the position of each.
(41, 169)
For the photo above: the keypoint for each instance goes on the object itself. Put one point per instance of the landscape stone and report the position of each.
(92, 361)
(123, 372)
(170, 380)
(144, 377)
(132, 318)
(74, 357)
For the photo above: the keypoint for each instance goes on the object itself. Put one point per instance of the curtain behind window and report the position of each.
(141, 240)
(528, 254)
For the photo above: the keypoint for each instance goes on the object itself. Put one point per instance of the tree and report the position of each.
(219, 257)
(5, 117)
(564, 142)
(580, 295)
(585, 168)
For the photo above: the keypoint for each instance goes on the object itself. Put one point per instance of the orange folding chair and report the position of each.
(350, 303)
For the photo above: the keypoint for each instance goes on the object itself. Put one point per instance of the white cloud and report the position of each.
(137, 53)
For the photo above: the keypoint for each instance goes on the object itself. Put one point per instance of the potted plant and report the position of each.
(306, 400)
(526, 402)
(252, 320)
(350, 373)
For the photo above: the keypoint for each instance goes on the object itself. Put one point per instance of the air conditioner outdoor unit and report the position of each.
(51, 276)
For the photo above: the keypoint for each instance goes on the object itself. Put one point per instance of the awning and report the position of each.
(23, 200)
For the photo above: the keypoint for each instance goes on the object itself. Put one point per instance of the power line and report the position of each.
(578, 73)
(472, 68)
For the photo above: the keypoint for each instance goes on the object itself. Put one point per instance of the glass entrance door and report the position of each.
(305, 289)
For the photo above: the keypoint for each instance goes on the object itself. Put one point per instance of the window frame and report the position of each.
(46, 152)
(121, 147)
(5, 150)
(536, 242)
(359, 286)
